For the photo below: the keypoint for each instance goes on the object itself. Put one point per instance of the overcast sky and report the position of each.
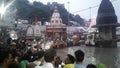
(78, 6)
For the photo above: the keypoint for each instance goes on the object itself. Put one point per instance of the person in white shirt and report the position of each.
(39, 58)
(50, 58)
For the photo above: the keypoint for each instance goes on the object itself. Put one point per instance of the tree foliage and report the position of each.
(79, 20)
(43, 12)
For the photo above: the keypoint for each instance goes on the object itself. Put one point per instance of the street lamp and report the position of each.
(4, 7)
(68, 11)
(90, 11)
(2, 10)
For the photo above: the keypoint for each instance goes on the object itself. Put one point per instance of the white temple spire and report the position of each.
(56, 19)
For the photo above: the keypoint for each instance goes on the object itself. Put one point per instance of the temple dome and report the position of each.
(30, 31)
(33, 30)
(106, 13)
(56, 19)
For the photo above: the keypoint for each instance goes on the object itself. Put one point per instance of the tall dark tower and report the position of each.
(106, 24)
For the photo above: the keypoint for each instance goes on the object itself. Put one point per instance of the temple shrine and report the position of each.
(56, 29)
(106, 24)
(33, 31)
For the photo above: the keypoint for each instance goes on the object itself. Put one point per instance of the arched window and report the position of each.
(60, 21)
(52, 21)
(56, 21)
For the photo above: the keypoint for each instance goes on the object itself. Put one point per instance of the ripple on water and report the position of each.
(108, 56)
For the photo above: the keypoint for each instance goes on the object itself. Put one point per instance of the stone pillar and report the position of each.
(108, 36)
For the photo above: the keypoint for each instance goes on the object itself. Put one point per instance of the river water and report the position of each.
(108, 56)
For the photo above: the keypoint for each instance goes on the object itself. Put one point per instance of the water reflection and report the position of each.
(108, 56)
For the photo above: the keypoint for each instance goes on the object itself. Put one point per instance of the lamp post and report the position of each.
(3, 8)
(68, 11)
(90, 11)
(2, 12)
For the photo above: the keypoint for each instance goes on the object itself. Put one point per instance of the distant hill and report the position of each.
(43, 12)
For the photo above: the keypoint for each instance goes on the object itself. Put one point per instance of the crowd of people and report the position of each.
(13, 56)
(18, 54)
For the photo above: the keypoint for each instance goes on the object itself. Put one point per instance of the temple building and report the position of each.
(53, 30)
(56, 19)
(56, 29)
(30, 31)
(33, 31)
(106, 23)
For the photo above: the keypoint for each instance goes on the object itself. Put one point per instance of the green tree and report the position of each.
(43, 12)
(79, 20)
